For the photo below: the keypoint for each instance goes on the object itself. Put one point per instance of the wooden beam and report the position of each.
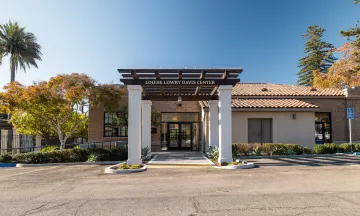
(183, 97)
(213, 91)
(197, 90)
(133, 74)
(203, 74)
(157, 74)
(225, 75)
(180, 75)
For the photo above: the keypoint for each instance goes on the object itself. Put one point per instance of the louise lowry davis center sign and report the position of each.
(178, 82)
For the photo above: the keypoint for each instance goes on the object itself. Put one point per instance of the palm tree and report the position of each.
(20, 45)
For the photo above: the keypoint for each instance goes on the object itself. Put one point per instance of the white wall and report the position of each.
(285, 129)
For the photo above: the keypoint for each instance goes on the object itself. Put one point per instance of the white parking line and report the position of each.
(37, 170)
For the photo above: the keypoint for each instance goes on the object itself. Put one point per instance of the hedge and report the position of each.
(331, 148)
(269, 149)
(65, 156)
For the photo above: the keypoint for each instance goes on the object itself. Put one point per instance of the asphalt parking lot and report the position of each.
(277, 187)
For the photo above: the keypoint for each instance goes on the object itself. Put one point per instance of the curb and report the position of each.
(70, 164)
(4, 165)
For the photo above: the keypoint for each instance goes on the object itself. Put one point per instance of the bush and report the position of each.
(224, 163)
(5, 158)
(49, 148)
(213, 152)
(327, 148)
(71, 155)
(268, 149)
(307, 150)
(234, 151)
(243, 149)
(93, 158)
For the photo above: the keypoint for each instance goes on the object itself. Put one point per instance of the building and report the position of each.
(260, 113)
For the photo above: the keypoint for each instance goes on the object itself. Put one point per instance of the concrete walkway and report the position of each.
(180, 158)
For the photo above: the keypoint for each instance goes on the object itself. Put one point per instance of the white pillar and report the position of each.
(146, 125)
(225, 125)
(4, 141)
(213, 123)
(16, 142)
(38, 143)
(134, 125)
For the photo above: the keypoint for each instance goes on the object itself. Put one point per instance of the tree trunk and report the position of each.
(61, 138)
(12, 68)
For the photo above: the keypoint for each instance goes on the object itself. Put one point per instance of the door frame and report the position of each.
(262, 128)
(323, 131)
(180, 136)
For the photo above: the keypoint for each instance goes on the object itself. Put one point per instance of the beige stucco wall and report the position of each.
(285, 129)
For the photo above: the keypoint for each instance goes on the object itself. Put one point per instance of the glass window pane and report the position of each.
(180, 117)
(110, 130)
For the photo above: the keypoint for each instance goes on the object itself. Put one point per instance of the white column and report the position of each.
(134, 125)
(4, 141)
(225, 125)
(206, 129)
(213, 123)
(146, 125)
(38, 143)
(16, 142)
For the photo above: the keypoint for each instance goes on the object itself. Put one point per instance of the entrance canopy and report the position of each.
(189, 84)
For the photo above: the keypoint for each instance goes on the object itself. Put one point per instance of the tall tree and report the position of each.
(58, 103)
(22, 47)
(319, 55)
(353, 35)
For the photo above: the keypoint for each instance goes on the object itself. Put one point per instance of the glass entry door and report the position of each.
(319, 133)
(180, 136)
(174, 136)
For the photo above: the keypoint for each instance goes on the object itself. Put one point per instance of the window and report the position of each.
(260, 130)
(3, 116)
(323, 133)
(110, 129)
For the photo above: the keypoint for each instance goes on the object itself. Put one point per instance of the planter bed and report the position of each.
(235, 165)
(115, 169)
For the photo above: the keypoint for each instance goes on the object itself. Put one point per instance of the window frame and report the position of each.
(330, 125)
(117, 129)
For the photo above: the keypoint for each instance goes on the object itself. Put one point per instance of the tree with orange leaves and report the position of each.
(346, 71)
(62, 103)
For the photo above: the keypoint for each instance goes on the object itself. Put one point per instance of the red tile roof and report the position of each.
(266, 103)
(266, 89)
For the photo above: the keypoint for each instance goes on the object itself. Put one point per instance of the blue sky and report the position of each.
(97, 37)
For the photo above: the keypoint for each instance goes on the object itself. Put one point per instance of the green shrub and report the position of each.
(345, 147)
(327, 148)
(256, 151)
(49, 148)
(243, 149)
(356, 147)
(268, 149)
(5, 158)
(213, 152)
(224, 163)
(234, 151)
(93, 158)
(307, 150)
(71, 155)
